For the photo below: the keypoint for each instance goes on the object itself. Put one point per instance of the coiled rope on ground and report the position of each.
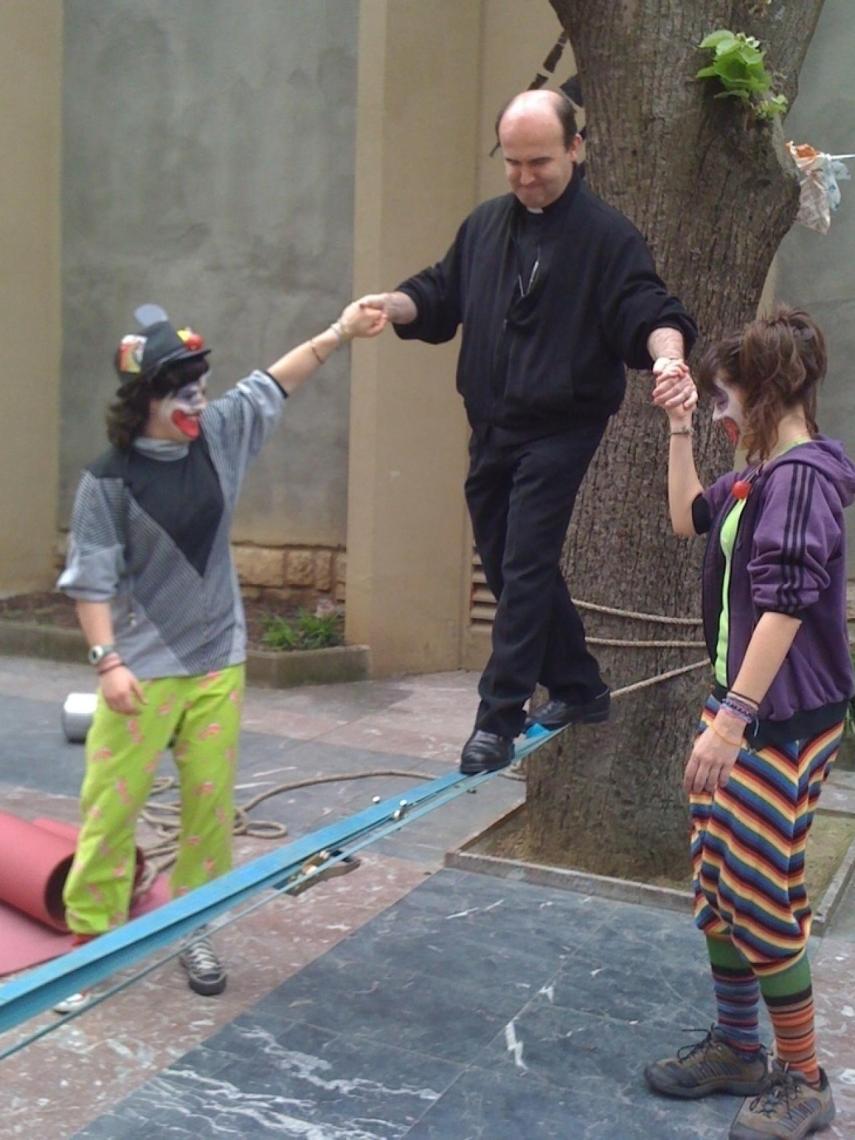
(165, 818)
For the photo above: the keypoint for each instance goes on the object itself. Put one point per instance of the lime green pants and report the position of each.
(202, 716)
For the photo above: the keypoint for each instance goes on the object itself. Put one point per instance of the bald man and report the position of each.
(556, 293)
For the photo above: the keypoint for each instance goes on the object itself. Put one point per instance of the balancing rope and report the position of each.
(516, 771)
(164, 818)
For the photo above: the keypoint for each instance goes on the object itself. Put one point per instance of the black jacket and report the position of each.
(538, 360)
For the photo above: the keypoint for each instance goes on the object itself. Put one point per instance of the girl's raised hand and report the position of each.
(363, 320)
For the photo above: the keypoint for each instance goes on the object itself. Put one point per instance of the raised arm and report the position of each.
(670, 394)
(358, 319)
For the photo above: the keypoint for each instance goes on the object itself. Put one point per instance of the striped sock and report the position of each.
(737, 996)
(789, 999)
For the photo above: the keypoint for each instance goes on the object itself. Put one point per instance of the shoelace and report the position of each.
(685, 1052)
(784, 1084)
(202, 959)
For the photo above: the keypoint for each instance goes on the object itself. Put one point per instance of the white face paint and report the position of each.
(727, 410)
(176, 417)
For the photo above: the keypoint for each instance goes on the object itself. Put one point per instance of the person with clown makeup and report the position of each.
(774, 613)
(149, 564)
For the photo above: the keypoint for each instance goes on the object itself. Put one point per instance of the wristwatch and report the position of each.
(98, 652)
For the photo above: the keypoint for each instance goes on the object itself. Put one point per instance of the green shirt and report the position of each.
(727, 538)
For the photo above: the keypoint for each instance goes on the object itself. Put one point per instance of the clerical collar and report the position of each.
(165, 449)
(561, 204)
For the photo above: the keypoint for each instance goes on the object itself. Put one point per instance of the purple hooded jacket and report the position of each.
(789, 557)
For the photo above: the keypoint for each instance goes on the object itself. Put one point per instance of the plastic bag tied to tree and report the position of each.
(819, 174)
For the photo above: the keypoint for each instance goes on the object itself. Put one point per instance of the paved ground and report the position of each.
(405, 1000)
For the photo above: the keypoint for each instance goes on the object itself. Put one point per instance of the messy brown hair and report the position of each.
(777, 362)
(128, 414)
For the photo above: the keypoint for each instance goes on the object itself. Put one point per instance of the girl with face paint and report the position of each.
(150, 566)
(774, 611)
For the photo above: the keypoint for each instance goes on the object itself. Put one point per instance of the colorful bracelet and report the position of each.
(740, 708)
(740, 711)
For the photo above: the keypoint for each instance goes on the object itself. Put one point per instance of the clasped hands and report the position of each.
(363, 318)
(674, 390)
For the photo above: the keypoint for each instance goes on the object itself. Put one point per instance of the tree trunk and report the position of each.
(713, 191)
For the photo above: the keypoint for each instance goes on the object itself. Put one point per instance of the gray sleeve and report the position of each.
(242, 420)
(95, 561)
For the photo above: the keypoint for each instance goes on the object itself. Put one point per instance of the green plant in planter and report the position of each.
(738, 64)
(306, 631)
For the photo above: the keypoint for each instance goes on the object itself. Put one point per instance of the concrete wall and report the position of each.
(431, 77)
(208, 166)
(30, 79)
(814, 270)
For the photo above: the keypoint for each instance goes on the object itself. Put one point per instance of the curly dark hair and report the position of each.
(777, 362)
(129, 412)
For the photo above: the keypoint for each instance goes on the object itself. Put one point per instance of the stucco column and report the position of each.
(416, 179)
(30, 330)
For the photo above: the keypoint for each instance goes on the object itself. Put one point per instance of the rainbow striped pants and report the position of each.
(748, 847)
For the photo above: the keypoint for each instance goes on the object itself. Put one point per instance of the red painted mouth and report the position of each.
(731, 430)
(189, 425)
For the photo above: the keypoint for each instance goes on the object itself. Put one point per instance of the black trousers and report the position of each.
(520, 498)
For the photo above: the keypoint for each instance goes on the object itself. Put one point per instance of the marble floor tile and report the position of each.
(296, 1081)
(485, 1104)
(394, 1001)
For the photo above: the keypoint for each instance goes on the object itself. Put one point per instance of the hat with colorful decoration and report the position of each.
(144, 353)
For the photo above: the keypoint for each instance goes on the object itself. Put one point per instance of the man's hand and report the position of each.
(398, 307)
(122, 691)
(361, 319)
(713, 756)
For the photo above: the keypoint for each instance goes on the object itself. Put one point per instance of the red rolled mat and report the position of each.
(35, 859)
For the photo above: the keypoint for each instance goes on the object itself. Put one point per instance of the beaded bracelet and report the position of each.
(341, 332)
(738, 711)
(739, 708)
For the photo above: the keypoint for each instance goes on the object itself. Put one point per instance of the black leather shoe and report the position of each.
(556, 714)
(485, 752)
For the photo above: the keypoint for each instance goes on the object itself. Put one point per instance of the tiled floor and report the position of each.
(401, 1000)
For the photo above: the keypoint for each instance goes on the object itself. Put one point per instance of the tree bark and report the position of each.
(714, 191)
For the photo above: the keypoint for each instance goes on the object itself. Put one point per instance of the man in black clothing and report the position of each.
(556, 293)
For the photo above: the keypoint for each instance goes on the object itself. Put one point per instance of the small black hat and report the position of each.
(157, 343)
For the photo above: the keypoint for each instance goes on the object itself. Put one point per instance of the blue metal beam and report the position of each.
(42, 987)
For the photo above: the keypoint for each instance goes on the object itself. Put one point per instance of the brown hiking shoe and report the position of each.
(789, 1108)
(709, 1066)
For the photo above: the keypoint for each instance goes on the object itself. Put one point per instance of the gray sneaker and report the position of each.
(205, 972)
(789, 1108)
(709, 1066)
